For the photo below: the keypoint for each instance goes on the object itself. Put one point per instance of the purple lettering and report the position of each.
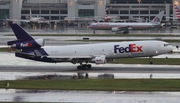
(130, 48)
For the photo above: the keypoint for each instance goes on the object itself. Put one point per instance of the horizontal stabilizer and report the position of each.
(20, 33)
(37, 53)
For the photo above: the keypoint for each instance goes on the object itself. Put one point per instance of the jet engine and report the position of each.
(99, 60)
(22, 44)
(115, 29)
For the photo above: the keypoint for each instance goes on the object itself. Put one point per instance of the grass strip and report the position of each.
(4, 49)
(97, 84)
(158, 61)
(121, 40)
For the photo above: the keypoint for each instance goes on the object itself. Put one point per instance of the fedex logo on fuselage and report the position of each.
(25, 44)
(131, 48)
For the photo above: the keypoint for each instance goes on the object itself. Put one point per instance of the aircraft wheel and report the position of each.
(79, 67)
(85, 66)
(125, 32)
(150, 62)
(89, 66)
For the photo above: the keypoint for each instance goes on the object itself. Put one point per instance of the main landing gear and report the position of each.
(84, 66)
(125, 32)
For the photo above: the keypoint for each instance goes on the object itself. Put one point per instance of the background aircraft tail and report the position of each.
(177, 11)
(30, 12)
(24, 40)
(158, 18)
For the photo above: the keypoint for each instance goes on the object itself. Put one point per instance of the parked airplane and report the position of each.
(101, 53)
(125, 27)
(177, 10)
(32, 19)
(94, 18)
(106, 18)
(2, 22)
(36, 19)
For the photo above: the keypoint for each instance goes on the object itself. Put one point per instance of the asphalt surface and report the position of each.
(12, 68)
(107, 68)
(88, 96)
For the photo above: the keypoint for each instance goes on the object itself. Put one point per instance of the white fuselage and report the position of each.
(111, 50)
(134, 26)
(37, 19)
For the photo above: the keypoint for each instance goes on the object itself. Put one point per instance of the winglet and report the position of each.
(158, 18)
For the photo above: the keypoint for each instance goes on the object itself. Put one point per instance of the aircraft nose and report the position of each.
(170, 49)
(89, 26)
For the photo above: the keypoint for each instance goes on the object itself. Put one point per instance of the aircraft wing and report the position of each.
(37, 53)
(48, 21)
(77, 57)
(124, 28)
(174, 18)
(27, 21)
(15, 20)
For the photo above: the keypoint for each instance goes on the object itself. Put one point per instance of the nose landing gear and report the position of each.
(150, 60)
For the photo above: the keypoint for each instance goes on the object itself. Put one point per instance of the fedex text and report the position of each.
(25, 44)
(131, 48)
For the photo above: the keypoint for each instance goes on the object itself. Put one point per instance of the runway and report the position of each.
(10, 63)
(66, 96)
(107, 68)
(13, 68)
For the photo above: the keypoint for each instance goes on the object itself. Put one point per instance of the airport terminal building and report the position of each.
(59, 9)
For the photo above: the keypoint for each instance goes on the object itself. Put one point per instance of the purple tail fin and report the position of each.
(20, 33)
(24, 40)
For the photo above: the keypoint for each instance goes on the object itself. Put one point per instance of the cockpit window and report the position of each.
(166, 44)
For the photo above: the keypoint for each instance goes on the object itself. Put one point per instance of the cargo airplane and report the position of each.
(125, 27)
(83, 54)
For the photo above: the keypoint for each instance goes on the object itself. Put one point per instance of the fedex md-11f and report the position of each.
(83, 54)
(126, 26)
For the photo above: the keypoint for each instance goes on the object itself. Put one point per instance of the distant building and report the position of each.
(59, 9)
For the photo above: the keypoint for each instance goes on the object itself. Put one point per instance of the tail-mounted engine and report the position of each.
(23, 44)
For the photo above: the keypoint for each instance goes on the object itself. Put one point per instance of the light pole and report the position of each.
(40, 7)
(176, 3)
(139, 1)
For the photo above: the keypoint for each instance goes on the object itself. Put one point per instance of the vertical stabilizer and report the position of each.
(24, 40)
(158, 18)
(20, 33)
(30, 13)
(177, 11)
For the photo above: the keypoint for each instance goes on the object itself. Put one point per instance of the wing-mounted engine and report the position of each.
(123, 30)
(23, 44)
(115, 29)
(99, 60)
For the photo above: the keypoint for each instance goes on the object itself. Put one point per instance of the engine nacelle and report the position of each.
(99, 60)
(115, 29)
(19, 44)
